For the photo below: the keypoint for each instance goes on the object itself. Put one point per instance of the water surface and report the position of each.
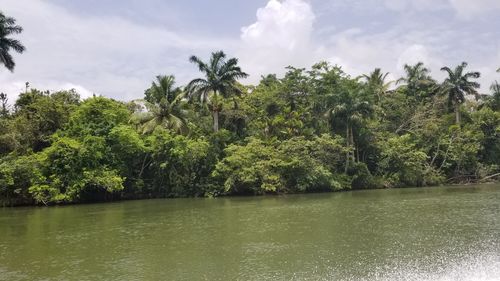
(446, 233)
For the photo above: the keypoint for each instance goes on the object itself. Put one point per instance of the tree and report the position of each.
(96, 116)
(402, 162)
(37, 117)
(220, 79)
(8, 27)
(457, 85)
(165, 106)
(495, 87)
(4, 110)
(75, 171)
(376, 82)
(352, 108)
(493, 101)
(295, 87)
(417, 79)
(180, 166)
(293, 165)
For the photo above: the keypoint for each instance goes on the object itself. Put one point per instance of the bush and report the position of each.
(294, 165)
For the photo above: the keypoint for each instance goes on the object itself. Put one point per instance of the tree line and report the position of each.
(312, 130)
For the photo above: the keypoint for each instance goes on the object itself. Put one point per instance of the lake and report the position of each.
(444, 233)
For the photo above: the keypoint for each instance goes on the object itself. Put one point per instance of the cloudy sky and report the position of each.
(115, 48)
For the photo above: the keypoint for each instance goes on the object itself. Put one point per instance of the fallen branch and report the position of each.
(492, 176)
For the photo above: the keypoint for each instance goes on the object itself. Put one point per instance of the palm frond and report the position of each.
(473, 75)
(450, 72)
(201, 65)
(8, 27)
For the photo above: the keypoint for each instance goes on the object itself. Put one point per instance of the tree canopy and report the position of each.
(8, 27)
(314, 129)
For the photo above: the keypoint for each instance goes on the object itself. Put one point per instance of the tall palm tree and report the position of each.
(4, 111)
(493, 101)
(162, 88)
(220, 79)
(352, 108)
(495, 88)
(457, 85)
(376, 81)
(8, 27)
(165, 106)
(417, 78)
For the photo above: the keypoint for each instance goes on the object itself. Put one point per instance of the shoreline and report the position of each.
(468, 184)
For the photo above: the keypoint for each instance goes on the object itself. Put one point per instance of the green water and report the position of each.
(401, 234)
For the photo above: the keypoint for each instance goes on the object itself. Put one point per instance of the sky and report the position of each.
(116, 48)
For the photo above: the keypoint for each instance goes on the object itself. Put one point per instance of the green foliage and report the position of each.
(294, 165)
(97, 116)
(219, 82)
(458, 85)
(179, 166)
(17, 175)
(312, 130)
(403, 163)
(9, 27)
(165, 106)
(487, 122)
(361, 177)
(38, 115)
(76, 171)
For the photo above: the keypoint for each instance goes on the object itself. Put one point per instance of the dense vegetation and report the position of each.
(313, 130)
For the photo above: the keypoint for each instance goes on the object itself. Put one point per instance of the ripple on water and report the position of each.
(479, 267)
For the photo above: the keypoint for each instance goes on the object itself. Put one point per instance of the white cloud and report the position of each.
(281, 36)
(118, 58)
(103, 55)
(284, 34)
(287, 25)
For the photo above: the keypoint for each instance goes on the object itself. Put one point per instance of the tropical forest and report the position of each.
(311, 130)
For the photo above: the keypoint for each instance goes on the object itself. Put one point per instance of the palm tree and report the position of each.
(417, 78)
(457, 86)
(8, 27)
(162, 88)
(495, 87)
(220, 79)
(376, 82)
(493, 101)
(165, 106)
(4, 111)
(352, 108)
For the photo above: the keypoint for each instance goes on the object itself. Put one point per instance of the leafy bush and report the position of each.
(294, 165)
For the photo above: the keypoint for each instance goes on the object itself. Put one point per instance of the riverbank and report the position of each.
(150, 197)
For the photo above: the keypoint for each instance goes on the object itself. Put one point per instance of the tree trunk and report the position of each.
(348, 146)
(215, 111)
(357, 154)
(457, 113)
(353, 147)
(216, 120)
